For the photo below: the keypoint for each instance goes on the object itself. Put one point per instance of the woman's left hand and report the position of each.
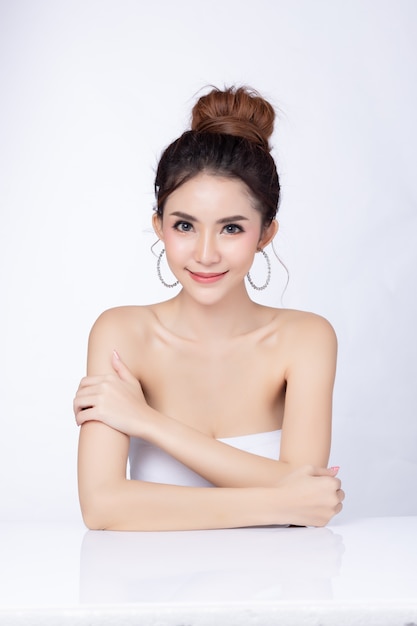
(114, 399)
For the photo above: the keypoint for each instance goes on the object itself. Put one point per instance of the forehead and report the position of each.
(213, 194)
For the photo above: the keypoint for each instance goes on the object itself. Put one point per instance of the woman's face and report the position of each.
(211, 232)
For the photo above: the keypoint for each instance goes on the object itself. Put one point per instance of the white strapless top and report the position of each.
(151, 464)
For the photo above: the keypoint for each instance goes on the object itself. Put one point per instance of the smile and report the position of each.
(206, 278)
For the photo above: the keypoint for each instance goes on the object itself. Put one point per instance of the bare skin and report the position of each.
(209, 363)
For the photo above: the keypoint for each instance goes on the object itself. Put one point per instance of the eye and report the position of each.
(232, 229)
(183, 227)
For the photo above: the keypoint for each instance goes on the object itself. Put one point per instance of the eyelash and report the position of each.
(236, 227)
(181, 223)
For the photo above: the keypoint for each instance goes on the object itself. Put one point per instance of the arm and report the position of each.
(108, 500)
(311, 348)
(310, 375)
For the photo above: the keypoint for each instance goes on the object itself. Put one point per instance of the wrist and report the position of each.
(276, 507)
(265, 507)
(149, 424)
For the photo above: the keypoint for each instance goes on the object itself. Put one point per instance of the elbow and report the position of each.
(94, 517)
(98, 510)
(283, 469)
(93, 521)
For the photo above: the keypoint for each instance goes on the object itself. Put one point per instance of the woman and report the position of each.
(208, 388)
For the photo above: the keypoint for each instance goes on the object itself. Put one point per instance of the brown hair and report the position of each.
(240, 112)
(229, 137)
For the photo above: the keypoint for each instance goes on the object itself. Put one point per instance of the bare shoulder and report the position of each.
(121, 321)
(308, 337)
(300, 334)
(304, 324)
(123, 329)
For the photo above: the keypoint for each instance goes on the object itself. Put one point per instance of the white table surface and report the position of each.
(359, 572)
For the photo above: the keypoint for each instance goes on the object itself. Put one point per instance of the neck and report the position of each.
(233, 315)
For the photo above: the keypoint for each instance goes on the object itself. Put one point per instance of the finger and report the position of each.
(89, 381)
(85, 417)
(122, 369)
(329, 471)
(322, 471)
(81, 403)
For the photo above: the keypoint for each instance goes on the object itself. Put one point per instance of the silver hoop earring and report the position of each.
(158, 270)
(268, 276)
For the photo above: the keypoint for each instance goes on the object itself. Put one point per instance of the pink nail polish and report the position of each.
(335, 468)
(116, 354)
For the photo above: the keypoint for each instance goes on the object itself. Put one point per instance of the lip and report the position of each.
(206, 278)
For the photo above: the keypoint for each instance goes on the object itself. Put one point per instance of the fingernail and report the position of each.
(116, 354)
(334, 469)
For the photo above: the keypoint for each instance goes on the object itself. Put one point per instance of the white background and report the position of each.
(91, 91)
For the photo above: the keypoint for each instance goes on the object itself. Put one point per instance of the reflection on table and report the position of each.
(259, 564)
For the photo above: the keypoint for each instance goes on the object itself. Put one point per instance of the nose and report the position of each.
(207, 250)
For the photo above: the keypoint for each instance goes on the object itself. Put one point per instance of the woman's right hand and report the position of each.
(311, 496)
(115, 399)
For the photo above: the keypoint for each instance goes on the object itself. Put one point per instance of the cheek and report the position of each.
(248, 244)
(174, 244)
(255, 237)
(242, 251)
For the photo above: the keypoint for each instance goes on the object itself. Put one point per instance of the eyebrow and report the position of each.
(223, 220)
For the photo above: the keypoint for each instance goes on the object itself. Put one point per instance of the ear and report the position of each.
(157, 226)
(268, 233)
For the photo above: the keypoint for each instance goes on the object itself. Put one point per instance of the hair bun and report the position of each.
(235, 111)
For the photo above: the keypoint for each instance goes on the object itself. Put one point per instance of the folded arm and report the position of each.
(264, 496)
(118, 401)
(307, 497)
(306, 429)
